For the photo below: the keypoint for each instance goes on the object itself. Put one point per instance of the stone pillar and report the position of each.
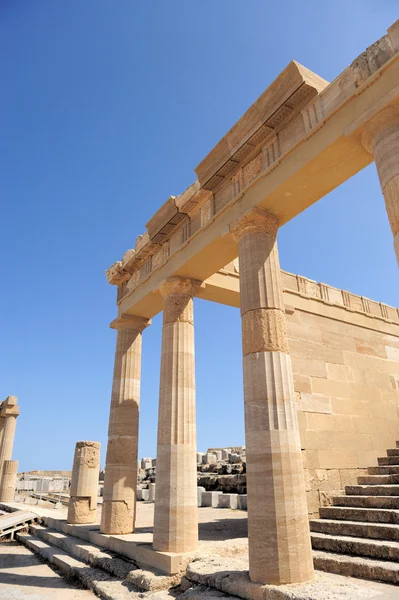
(176, 512)
(82, 507)
(9, 412)
(381, 137)
(278, 528)
(8, 480)
(120, 481)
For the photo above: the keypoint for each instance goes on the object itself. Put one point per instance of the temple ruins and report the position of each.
(321, 366)
(319, 472)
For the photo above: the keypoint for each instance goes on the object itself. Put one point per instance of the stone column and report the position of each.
(8, 480)
(82, 506)
(278, 528)
(176, 512)
(381, 137)
(9, 412)
(120, 480)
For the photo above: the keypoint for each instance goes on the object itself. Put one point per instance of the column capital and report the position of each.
(255, 220)
(378, 124)
(130, 322)
(179, 285)
(9, 407)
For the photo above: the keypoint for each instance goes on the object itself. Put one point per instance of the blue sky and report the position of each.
(106, 108)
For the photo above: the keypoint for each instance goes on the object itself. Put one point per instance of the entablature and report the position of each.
(293, 145)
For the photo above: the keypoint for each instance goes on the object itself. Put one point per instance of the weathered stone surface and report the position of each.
(82, 505)
(264, 330)
(8, 480)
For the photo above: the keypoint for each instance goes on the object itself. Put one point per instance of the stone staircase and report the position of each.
(359, 535)
(109, 576)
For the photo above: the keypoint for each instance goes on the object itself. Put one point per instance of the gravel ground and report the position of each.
(23, 577)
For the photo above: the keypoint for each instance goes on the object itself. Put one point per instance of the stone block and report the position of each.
(302, 383)
(242, 502)
(338, 372)
(312, 498)
(200, 457)
(151, 491)
(234, 458)
(228, 501)
(142, 494)
(351, 440)
(326, 497)
(339, 459)
(146, 463)
(200, 491)
(317, 403)
(210, 458)
(218, 455)
(210, 498)
(226, 453)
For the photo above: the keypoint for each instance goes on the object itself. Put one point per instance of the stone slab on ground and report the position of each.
(228, 501)
(200, 491)
(210, 498)
(24, 577)
(231, 577)
(242, 502)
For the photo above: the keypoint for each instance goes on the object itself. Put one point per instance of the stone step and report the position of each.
(106, 586)
(84, 551)
(355, 566)
(367, 501)
(372, 490)
(388, 460)
(393, 452)
(375, 531)
(378, 479)
(369, 515)
(385, 470)
(369, 548)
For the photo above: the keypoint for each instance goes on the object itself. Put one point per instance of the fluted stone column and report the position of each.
(278, 528)
(120, 480)
(176, 512)
(82, 506)
(381, 138)
(9, 412)
(8, 480)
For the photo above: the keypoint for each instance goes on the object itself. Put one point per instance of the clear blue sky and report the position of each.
(106, 108)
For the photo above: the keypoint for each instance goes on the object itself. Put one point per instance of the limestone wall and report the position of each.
(345, 355)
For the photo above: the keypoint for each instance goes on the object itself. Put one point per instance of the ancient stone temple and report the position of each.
(320, 365)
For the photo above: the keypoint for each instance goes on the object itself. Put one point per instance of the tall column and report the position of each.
(9, 412)
(8, 480)
(82, 506)
(381, 137)
(176, 512)
(278, 528)
(120, 480)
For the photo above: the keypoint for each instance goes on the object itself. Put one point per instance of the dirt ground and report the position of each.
(24, 577)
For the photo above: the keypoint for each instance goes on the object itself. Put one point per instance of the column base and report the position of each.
(79, 511)
(116, 518)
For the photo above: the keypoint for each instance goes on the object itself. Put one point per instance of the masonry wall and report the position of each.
(346, 377)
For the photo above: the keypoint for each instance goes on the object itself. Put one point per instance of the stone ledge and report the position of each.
(136, 546)
(230, 576)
